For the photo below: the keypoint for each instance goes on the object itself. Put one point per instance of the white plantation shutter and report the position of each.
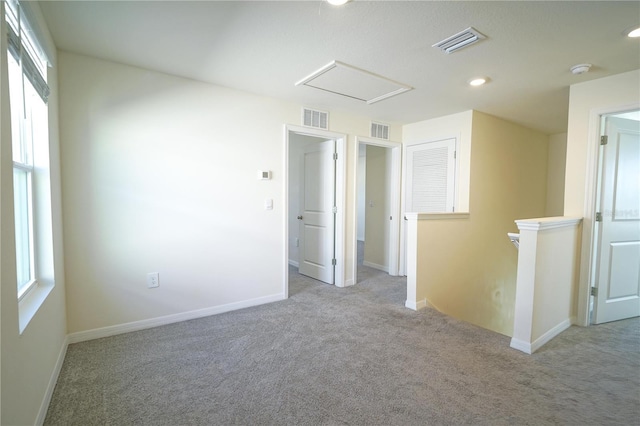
(431, 177)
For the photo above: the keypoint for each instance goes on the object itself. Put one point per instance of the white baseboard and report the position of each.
(294, 263)
(44, 406)
(521, 345)
(540, 341)
(376, 266)
(530, 348)
(416, 305)
(348, 282)
(98, 333)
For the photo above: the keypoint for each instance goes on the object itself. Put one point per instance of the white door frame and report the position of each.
(394, 229)
(341, 184)
(589, 236)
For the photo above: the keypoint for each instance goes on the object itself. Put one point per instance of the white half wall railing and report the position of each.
(548, 255)
(416, 297)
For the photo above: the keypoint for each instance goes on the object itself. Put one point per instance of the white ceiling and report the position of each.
(266, 47)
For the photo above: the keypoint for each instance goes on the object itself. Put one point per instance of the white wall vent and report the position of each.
(379, 130)
(458, 41)
(314, 118)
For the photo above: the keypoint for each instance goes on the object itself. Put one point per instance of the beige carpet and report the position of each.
(354, 356)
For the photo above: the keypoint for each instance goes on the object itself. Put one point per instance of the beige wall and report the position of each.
(159, 174)
(29, 360)
(469, 265)
(587, 101)
(555, 174)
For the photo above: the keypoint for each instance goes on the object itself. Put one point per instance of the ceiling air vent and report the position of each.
(313, 118)
(379, 130)
(458, 41)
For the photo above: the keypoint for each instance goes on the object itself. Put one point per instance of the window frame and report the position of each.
(31, 282)
(25, 88)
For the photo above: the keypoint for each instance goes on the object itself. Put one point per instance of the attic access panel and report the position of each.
(346, 80)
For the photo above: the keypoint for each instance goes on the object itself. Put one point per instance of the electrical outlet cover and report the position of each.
(153, 279)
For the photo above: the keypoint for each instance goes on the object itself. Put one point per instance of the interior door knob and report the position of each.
(300, 217)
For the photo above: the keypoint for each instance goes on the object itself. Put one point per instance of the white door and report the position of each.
(618, 263)
(317, 217)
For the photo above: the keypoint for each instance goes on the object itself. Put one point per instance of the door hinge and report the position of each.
(334, 262)
(390, 217)
(335, 155)
(594, 291)
(598, 217)
(454, 154)
(334, 209)
(604, 140)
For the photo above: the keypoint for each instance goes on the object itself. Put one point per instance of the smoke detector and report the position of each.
(580, 68)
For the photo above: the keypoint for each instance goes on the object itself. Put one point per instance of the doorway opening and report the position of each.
(315, 204)
(377, 201)
(615, 266)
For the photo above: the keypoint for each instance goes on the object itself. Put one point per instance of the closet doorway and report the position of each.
(377, 196)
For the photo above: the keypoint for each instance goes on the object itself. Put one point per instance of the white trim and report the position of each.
(376, 266)
(341, 205)
(530, 348)
(436, 216)
(349, 282)
(521, 345)
(31, 302)
(546, 337)
(417, 305)
(294, 263)
(46, 400)
(113, 330)
(545, 223)
(590, 205)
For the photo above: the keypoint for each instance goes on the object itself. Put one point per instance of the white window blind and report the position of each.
(431, 177)
(25, 50)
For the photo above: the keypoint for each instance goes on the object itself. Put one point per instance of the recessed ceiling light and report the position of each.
(478, 81)
(634, 32)
(337, 2)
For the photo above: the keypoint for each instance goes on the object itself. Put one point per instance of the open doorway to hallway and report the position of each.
(314, 219)
(616, 264)
(377, 206)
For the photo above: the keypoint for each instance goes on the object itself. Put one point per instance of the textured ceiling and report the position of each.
(266, 47)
